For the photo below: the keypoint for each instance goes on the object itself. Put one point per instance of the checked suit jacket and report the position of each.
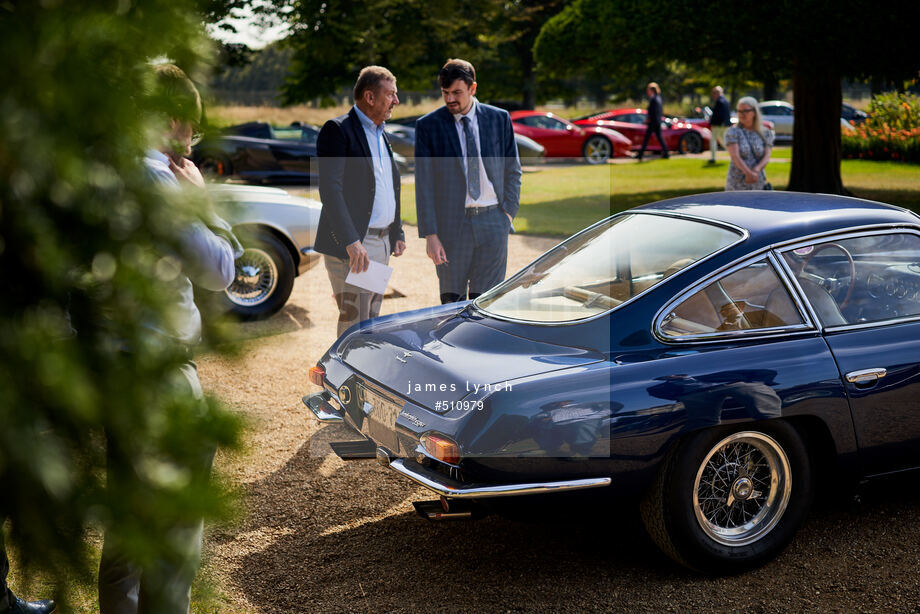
(347, 186)
(440, 178)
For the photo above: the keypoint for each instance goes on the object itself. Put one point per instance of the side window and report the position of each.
(860, 280)
(751, 298)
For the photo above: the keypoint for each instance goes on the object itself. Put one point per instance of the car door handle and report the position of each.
(865, 376)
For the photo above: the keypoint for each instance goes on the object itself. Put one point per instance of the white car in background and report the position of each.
(277, 231)
(781, 114)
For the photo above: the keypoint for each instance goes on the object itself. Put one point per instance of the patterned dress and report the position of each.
(751, 148)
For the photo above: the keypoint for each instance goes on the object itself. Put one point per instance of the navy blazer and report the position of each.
(347, 186)
(440, 181)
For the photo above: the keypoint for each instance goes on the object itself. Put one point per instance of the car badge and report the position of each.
(345, 395)
(411, 418)
(404, 356)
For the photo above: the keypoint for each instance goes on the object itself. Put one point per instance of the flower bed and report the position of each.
(891, 133)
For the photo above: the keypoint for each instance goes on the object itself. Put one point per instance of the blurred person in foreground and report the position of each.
(467, 186)
(749, 146)
(10, 602)
(359, 188)
(653, 121)
(208, 253)
(719, 122)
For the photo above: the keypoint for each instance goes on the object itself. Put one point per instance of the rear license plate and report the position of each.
(381, 413)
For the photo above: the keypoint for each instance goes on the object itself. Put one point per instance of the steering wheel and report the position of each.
(829, 283)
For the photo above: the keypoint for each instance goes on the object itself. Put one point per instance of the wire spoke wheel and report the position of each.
(742, 488)
(256, 278)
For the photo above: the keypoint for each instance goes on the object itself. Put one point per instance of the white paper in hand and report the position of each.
(375, 278)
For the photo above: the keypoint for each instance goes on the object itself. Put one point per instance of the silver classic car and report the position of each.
(277, 231)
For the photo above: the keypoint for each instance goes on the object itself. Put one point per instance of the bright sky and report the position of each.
(248, 32)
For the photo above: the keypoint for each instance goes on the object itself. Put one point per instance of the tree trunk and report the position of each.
(816, 132)
(770, 84)
(529, 98)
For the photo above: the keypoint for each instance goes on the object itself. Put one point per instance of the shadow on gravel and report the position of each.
(290, 318)
(348, 541)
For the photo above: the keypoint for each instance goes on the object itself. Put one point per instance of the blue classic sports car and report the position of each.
(717, 357)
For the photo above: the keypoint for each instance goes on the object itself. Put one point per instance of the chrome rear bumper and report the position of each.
(321, 407)
(446, 487)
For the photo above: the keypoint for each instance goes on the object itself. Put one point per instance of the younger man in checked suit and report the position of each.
(467, 186)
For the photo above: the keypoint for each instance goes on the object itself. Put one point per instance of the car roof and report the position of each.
(516, 114)
(781, 103)
(777, 216)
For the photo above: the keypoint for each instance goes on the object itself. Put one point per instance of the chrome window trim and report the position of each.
(807, 327)
(843, 235)
(744, 234)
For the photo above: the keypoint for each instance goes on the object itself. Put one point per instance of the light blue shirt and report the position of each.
(384, 210)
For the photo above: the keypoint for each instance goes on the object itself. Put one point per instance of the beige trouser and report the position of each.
(356, 304)
(718, 136)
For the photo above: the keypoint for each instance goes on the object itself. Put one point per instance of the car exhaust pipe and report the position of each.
(447, 509)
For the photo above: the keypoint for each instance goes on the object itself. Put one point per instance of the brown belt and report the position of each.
(378, 232)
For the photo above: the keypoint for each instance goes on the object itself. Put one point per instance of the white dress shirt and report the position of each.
(384, 210)
(487, 194)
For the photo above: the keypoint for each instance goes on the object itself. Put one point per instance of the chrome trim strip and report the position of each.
(866, 375)
(784, 275)
(862, 325)
(444, 486)
(846, 233)
(807, 327)
(319, 404)
(744, 235)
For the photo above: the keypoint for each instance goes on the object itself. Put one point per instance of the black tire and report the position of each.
(264, 287)
(702, 532)
(215, 166)
(597, 150)
(690, 143)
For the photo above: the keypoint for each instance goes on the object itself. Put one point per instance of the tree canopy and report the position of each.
(816, 42)
(332, 41)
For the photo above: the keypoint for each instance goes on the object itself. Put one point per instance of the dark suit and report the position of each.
(441, 190)
(347, 187)
(653, 126)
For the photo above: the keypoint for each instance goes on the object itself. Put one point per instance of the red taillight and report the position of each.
(441, 448)
(317, 375)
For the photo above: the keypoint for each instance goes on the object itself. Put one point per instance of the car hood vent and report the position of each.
(435, 359)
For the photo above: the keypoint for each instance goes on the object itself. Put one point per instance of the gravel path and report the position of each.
(322, 535)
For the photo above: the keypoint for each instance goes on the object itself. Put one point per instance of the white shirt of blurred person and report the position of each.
(210, 249)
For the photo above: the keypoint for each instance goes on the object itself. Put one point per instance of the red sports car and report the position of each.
(563, 139)
(678, 134)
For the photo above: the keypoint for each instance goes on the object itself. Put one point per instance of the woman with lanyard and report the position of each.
(749, 147)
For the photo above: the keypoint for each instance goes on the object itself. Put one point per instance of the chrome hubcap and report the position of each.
(742, 488)
(256, 278)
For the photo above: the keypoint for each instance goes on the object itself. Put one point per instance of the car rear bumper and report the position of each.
(451, 489)
(325, 407)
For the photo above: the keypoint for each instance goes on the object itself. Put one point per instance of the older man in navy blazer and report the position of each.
(467, 186)
(359, 188)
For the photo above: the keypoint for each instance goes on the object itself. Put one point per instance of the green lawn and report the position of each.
(560, 199)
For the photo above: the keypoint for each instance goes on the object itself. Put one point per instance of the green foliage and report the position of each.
(332, 41)
(262, 77)
(892, 131)
(894, 110)
(90, 246)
